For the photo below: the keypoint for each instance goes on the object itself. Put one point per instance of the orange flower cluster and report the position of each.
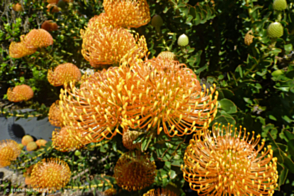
(19, 50)
(64, 73)
(50, 175)
(132, 13)
(134, 172)
(36, 38)
(167, 55)
(48, 25)
(54, 115)
(9, 151)
(20, 93)
(106, 45)
(17, 7)
(97, 106)
(167, 96)
(68, 139)
(157, 95)
(225, 162)
(106, 42)
(160, 192)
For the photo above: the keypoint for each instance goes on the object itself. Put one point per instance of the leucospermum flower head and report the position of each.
(166, 96)
(49, 25)
(132, 13)
(53, 8)
(37, 38)
(96, 107)
(68, 139)
(167, 55)
(17, 7)
(64, 73)
(50, 175)
(106, 45)
(54, 115)
(160, 192)
(19, 50)
(227, 162)
(134, 172)
(97, 20)
(9, 151)
(20, 93)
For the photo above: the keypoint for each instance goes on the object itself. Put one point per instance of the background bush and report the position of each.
(252, 92)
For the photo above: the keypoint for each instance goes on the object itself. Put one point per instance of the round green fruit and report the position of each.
(78, 153)
(280, 5)
(183, 40)
(156, 21)
(275, 30)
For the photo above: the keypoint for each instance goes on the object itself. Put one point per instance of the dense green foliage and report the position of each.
(255, 82)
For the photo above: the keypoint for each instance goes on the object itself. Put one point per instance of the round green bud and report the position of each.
(183, 40)
(275, 30)
(156, 21)
(78, 153)
(280, 5)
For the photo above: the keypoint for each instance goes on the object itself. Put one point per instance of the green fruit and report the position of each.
(157, 22)
(183, 40)
(78, 153)
(275, 30)
(280, 5)
(277, 72)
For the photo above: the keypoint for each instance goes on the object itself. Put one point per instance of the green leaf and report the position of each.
(172, 174)
(167, 164)
(224, 119)
(228, 106)
(290, 145)
(283, 175)
(289, 135)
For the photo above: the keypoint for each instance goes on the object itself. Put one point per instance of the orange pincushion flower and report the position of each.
(134, 172)
(52, 1)
(50, 175)
(160, 192)
(19, 50)
(48, 25)
(223, 162)
(9, 151)
(167, 55)
(20, 93)
(17, 7)
(68, 139)
(52, 8)
(37, 38)
(167, 96)
(105, 45)
(54, 115)
(64, 73)
(99, 20)
(96, 107)
(132, 13)
(128, 138)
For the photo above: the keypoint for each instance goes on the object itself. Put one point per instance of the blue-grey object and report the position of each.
(10, 128)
